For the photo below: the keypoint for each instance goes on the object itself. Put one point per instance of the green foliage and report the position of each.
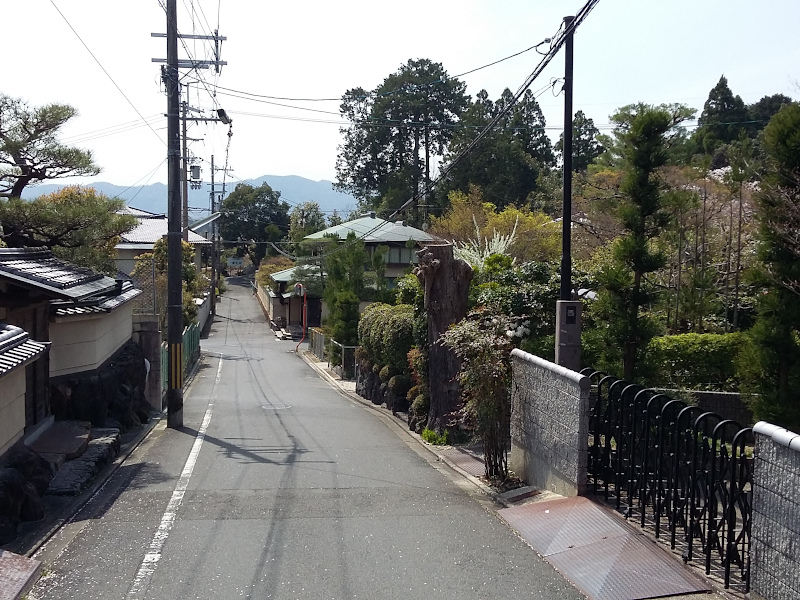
(343, 317)
(771, 360)
(624, 289)
(697, 361)
(407, 288)
(399, 385)
(76, 223)
(29, 148)
(723, 119)
(585, 145)
(383, 165)
(433, 438)
(253, 215)
(481, 343)
(269, 266)
(386, 335)
(305, 219)
(193, 283)
(506, 164)
(386, 373)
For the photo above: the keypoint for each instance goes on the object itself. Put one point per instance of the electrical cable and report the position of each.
(104, 71)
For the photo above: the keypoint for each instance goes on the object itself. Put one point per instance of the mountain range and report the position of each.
(153, 198)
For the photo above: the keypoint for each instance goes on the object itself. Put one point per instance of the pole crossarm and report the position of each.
(185, 63)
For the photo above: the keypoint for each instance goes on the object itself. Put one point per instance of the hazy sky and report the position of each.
(626, 51)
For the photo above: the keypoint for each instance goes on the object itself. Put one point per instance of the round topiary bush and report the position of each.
(399, 385)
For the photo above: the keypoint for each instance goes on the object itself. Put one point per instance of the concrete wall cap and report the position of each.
(779, 435)
(784, 437)
(765, 428)
(581, 380)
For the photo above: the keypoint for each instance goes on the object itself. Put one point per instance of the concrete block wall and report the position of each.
(775, 541)
(549, 425)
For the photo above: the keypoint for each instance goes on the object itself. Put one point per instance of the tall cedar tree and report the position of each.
(396, 133)
(585, 147)
(624, 289)
(723, 119)
(508, 162)
(771, 362)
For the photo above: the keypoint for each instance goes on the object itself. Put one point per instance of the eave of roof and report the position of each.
(37, 268)
(17, 349)
(374, 230)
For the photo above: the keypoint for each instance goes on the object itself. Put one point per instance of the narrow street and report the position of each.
(280, 487)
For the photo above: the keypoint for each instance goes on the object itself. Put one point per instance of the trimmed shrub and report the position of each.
(699, 361)
(399, 385)
(386, 335)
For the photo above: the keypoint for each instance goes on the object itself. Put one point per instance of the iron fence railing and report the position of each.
(342, 359)
(316, 342)
(684, 472)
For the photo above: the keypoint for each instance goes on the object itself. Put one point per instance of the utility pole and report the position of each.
(213, 244)
(174, 250)
(174, 254)
(568, 310)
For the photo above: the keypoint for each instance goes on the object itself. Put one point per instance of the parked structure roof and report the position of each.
(375, 230)
(151, 229)
(16, 348)
(38, 269)
(101, 305)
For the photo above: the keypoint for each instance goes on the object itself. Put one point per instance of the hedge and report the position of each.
(699, 361)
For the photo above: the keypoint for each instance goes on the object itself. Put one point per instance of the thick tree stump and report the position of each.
(445, 281)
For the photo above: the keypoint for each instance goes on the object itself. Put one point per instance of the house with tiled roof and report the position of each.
(84, 318)
(141, 239)
(285, 308)
(402, 240)
(17, 351)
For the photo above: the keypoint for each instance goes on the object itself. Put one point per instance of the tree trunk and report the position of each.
(445, 281)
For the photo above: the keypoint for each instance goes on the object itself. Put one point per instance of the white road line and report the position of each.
(153, 555)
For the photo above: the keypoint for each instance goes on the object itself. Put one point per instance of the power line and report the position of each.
(106, 72)
(557, 41)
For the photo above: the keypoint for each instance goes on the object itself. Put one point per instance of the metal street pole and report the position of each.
(213, 245)
(568, 311)
(174, 251)
(566, 217)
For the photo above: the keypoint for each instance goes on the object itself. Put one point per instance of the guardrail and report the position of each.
(316, 342)
(685, 472)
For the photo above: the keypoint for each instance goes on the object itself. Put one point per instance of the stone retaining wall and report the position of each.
(775, 543)
(549, 425)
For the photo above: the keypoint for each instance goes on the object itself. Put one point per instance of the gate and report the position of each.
(684, 472)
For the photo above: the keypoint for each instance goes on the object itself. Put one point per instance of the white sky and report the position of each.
(626, 51)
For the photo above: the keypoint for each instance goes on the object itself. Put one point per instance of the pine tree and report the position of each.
(770, 365)
(624, 289)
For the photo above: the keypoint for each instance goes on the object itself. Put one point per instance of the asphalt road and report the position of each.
(280, 487)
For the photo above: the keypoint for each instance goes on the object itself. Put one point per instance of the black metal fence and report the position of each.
(683, 472)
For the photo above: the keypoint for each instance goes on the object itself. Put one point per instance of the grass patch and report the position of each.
(433, 438)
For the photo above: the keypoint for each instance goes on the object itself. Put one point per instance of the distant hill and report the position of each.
(153, 197)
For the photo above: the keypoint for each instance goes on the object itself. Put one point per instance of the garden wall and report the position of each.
(775, 543)
(549, 425)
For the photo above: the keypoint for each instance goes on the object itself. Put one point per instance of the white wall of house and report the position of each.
(127, 253)
(84, 342)
(12, 408)
(126, 259)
